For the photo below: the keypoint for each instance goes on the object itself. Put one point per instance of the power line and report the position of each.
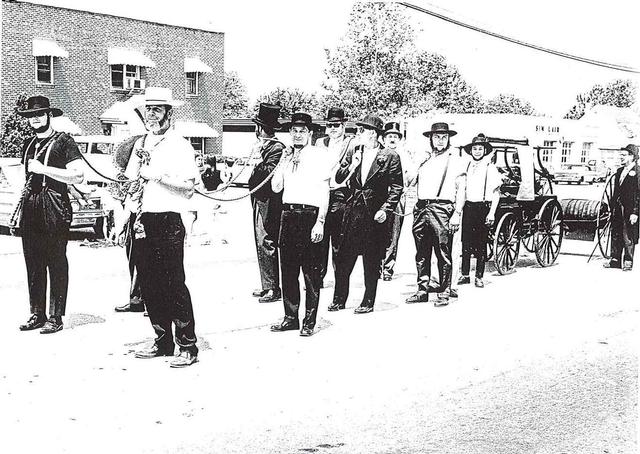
(522, 43)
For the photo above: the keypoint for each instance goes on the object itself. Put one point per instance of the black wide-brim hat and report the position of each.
(335, 115)
(268, 116)
(37, 105)
(371, 121)
(480, 139)
(440, 128)
(300, 119)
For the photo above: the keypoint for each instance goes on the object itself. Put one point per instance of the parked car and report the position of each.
(579, 173)
(98, 150)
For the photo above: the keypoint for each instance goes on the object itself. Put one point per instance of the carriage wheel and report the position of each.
(548, 238)
(506, 243)
(603, 221)
(490, 245)
(528, 241)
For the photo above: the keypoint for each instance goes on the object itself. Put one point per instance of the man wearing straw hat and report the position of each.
(51, 161)
(164, 171)
(267, 205)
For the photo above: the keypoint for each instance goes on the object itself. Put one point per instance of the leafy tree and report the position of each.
(236, 102)
(619, 93)
(16, 130)
(507, 103)
(292, 100)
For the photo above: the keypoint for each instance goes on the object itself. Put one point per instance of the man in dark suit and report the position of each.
(374, 174)
(625, 202)
(339, 144)
(267, 205)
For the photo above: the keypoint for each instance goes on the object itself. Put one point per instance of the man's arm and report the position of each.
(348, 165)
(395, 184)
(277, 181)
(73, 172)
(317, 232)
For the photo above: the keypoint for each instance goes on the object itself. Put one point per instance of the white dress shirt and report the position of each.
(368, 156)
(307, 182)
(431, 172)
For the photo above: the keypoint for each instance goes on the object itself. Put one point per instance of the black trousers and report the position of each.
(474, 236)
(622, 236)
(162, 279)
(392, 251)
(297, 252)
(346, 261)
(46, 252)
(432, 235)
(133, 257)
(266, 246)
(332, 228)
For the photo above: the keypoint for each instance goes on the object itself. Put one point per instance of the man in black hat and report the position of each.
(437, 213)
(374, 174)
(303, 178)
(267, 205)
(52, 161)
(338, 144)
(392, 137)
(625, 207)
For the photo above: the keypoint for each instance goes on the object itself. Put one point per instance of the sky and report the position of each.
(280, 43)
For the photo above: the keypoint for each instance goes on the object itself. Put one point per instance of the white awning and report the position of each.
(43, 47)
(118, 56)
(64, 124)
(194, 129)
(195, 65)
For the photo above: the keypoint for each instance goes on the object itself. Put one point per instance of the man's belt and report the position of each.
(428, 201)
(298, 206)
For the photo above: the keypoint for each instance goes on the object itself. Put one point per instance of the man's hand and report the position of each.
(35, 166)
(633, 219)
(356, 158)
(317, 232)
(380, 216)
(490, 220)
(454, 222)
(148, 173)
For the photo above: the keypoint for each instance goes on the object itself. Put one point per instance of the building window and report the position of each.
(198, 145)
(44, 69)
(586, 149)
(125, 77)
(566, 150)
(192, 84)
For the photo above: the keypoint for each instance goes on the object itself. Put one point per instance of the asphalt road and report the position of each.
(539, 361)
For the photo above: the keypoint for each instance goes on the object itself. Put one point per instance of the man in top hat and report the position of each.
(51, 161)
(437, 213)
(392, 137)
(303, 178)
(374, 174)
(625, 207)
(338, 143)
(267, 205)
(482, 195)
(164, 171)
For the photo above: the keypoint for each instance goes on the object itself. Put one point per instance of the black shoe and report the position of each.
(306, 331)
(270, 296)
(53, 325)
(35, 321)
(363, 309)
(154, 351)
(287, 324)
(386, 277)
(443, 300)
(611, 264)
(479, 282)
(333, 307)
(183, 359)
(258, 293)
(418, 297)
(627, 266)
(453, 293)
(129, 307)
(464, 280)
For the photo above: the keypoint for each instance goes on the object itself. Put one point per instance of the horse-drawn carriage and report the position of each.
(529, 214)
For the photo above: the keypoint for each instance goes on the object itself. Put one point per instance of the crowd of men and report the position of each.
(342, 196)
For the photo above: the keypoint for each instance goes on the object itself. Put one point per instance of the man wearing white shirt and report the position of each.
(164, 169)
(437, 212)
(303, 178)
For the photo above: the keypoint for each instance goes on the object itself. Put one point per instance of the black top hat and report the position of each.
(300, 119)
(335, 115)
(371, 121)
(393, 127)
(480, 139)
(37, 105)
(631, 148)
(268, 115)
(440, 128)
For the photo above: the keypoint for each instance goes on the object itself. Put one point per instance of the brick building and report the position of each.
(94, 67)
